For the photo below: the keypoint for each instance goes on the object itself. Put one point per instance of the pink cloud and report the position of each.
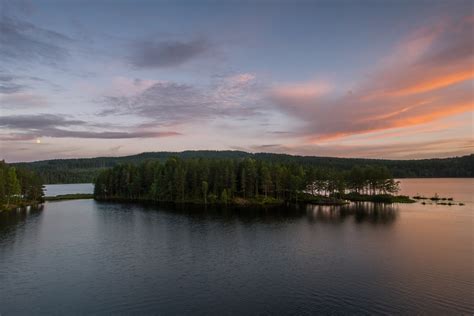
(301, 92)
(22, 100)
(428, 77)
(448, 147)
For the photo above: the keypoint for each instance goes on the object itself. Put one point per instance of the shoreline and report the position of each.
(314, 200)
(65, 197)
(14, 207)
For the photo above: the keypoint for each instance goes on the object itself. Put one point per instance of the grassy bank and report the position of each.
(320, 199)
(378, 198)
(63, 197)
(352, 197)
(22, 204)
(301, 198)
(237, 201)
(262, 200)
(435, 198)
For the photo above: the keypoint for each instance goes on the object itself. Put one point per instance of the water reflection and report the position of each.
(9, 220)
(373, 213)
(360, 212)
(14, 226)
(108, 258)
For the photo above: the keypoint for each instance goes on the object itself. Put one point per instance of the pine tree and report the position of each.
(13, 188)
(205, 188)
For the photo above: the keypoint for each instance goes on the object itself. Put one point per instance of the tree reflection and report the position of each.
(374, 213)
(11, 219)
(361, 212)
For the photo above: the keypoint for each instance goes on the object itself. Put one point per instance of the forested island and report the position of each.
(19, 187)
(86, 170)
(244, 181)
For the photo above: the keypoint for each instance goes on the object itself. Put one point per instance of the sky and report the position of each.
(374, 79)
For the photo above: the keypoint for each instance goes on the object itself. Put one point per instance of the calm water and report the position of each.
(87, 257)
(60, 189)
(461, 190)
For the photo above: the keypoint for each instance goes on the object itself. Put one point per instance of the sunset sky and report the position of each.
(376, 79)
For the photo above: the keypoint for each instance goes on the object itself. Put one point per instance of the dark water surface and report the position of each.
(87, 257)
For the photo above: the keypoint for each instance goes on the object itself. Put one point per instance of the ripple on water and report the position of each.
(104, 258)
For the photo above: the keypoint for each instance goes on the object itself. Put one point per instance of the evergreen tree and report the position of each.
(205, 188)
(13, 188)
(19, 186)
(208, 180)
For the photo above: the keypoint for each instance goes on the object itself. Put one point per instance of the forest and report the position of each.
(87, 169)
(239, 181)
(19, 187)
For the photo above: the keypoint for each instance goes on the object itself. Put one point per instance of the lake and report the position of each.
(83, 256)
(60, 189)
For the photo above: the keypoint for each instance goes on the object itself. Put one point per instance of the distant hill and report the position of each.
(86, 169)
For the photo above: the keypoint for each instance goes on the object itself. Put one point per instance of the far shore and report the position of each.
(62, 197)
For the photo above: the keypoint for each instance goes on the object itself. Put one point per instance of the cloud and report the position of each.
(448, 147)
(37, 121)
(21, 151)
(303, 92)
(128, 87)
(171, 103)
(61, 133)
(24, 41)
(27, 127)
(20, 100)
(9, 85)
(13, 83)
(19, 84)
(149, 54)
(427, 78)
(18, 91)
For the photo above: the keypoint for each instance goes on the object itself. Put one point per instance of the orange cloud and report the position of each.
(428, 78)
(436, 83)
(447, 147)
(440, 113)
(306, 91)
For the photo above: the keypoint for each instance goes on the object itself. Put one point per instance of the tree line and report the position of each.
(87, 169)
(19, 187)
(206, 180)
